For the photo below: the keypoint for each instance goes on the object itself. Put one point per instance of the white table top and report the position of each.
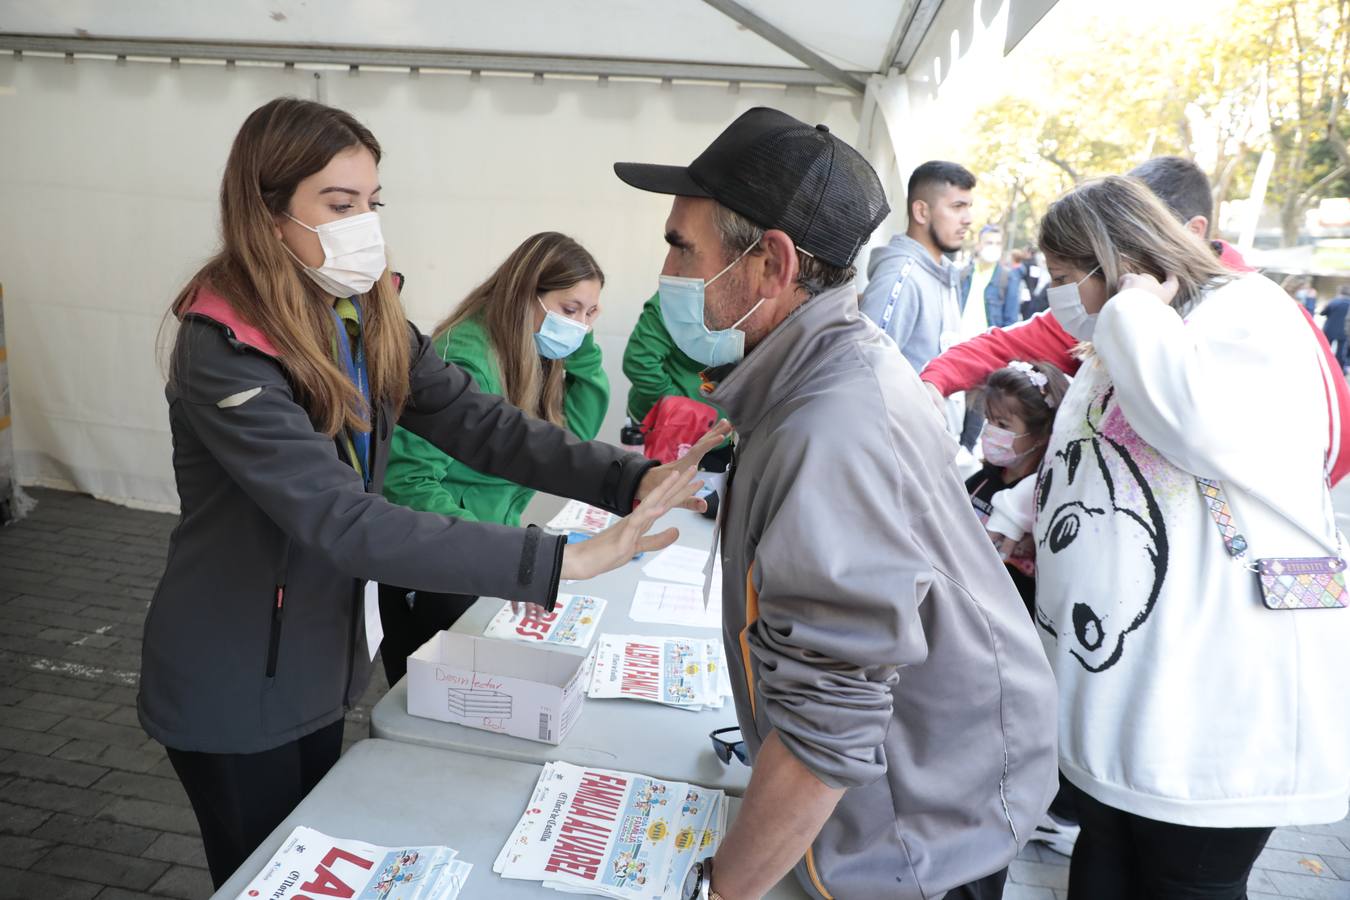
(629, 735)
(391, 793)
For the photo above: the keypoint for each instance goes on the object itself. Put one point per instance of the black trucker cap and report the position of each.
(784, 174)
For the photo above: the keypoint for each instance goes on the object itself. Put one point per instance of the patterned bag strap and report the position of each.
(1233, 541)
(1217, 502)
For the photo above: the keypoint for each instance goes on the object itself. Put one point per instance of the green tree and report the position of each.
(1096, 119)
(1304, 53)
(1267, 75)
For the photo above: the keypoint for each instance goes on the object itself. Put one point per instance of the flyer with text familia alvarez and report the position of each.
(616, 834)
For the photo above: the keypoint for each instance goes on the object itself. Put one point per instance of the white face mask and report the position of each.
(353, 254)
(991, 253)
(1067, 307)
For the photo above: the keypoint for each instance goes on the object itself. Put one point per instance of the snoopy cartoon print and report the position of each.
(1099, 520)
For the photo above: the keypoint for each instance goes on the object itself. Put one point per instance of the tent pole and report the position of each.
(788, 44)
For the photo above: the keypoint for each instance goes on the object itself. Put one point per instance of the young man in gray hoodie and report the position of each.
(914, 291)
(894, 699)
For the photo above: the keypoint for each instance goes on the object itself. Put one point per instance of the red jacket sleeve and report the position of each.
(968, 364)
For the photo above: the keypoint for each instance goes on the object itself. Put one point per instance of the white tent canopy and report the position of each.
(856, 37)
(118, 118)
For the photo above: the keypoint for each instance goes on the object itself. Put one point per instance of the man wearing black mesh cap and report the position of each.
(893, 697)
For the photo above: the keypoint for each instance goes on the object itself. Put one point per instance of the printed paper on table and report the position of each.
(675, 604)
(578, 516)
(676, 671)
(310, 863)
(572, 623)
(615, 834)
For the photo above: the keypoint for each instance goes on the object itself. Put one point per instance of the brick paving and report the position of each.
(89, 806)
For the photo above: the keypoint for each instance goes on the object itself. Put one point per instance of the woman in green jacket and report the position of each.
(657, 369)
(524, 334)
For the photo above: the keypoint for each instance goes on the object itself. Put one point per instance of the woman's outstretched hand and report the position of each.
(619, 543)
(686, 464)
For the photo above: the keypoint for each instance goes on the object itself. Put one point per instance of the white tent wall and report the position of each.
(112, 180)
(479, 166)
(111, 170)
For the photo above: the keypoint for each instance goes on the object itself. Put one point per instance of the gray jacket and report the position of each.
(868, 619)
(916, 314)
(255, 636)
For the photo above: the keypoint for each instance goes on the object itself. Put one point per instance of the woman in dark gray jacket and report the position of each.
(292, 364)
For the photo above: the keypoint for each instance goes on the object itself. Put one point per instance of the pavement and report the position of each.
(89, 806)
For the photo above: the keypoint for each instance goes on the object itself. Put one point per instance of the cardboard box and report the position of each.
(524, 690)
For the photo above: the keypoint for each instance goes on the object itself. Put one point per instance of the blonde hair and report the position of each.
(1116, 225)
(506, 305)
(279, 145)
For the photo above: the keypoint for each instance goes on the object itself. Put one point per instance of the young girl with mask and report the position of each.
(1019, 409)
(291, 365)
(524, 334)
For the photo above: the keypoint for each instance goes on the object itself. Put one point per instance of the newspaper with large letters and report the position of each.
(616, 834)
(312, 864)
(685, 672)
(572, 623)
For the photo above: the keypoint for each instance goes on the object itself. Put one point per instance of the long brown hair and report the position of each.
(506, 302)
(280, 144)
(1117, 223)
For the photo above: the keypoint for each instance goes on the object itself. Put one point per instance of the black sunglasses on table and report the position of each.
(725, 749)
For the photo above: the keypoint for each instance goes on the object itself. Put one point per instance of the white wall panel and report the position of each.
(111, 175)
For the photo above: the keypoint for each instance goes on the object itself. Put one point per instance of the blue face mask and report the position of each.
(682, 306)
(559, 336)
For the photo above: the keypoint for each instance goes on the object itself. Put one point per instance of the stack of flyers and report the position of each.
(614, 834)
(312, 863)
(572, 623)
(680, 564)
(689, 673)
(578, 516)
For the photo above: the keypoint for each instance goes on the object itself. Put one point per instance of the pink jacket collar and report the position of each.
(208, 304)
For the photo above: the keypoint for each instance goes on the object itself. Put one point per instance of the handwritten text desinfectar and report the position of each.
(473, 680)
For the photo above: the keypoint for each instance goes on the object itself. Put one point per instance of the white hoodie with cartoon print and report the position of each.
(1182, 698)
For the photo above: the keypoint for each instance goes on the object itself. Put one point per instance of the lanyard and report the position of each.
(359, 441)
(895, 295)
